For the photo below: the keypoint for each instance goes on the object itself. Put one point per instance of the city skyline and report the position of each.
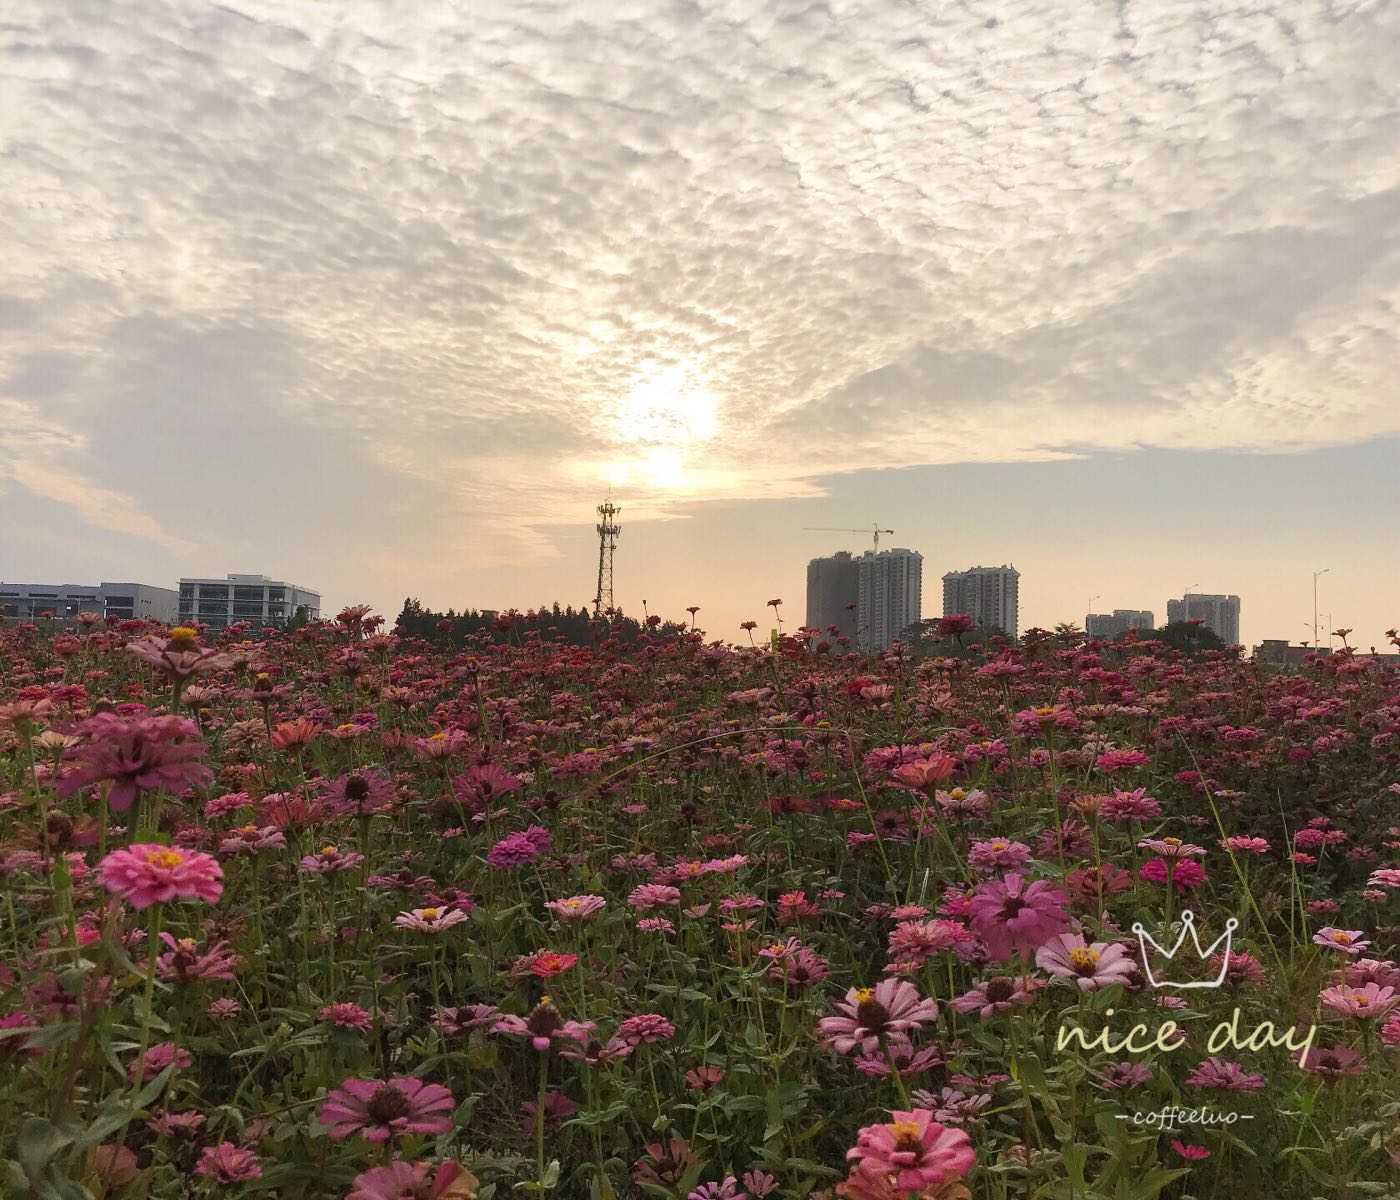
(389, 298)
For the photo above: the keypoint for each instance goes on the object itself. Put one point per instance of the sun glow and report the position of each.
(667, 416)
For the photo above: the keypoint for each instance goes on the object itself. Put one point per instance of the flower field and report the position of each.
(337, 913)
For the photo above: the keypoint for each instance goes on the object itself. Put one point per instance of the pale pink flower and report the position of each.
(872, 1016)
(1091, 967)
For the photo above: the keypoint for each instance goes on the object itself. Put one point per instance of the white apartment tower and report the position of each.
(1220, 614)
(989, 595)
(889, 595)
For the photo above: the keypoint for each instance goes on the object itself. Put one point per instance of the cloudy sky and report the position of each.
(382, 298)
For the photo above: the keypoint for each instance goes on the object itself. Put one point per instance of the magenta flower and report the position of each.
(227, 1163)
(381, 1109)
(1184, 873)
(1014, 916)
(147, 873)
(414, 1181)
(185, 961)
(346, 1015)
(872, 1016)
(156, 1059)
(912, 1154)
(137, 754)
(647, 1027)
(1222, 1076)
(515, 850)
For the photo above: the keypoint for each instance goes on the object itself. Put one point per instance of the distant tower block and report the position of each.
(608, 529)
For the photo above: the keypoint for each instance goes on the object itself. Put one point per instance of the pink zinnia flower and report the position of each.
(651, 895)
(647, 1027)
(1121, 760)
(912, 1154)
(1014, 916)
(1184, 873)
(381, 1109)
(1368, 1001)
(186, 961)
(156, 1059)
(1222, 1076)
(137, 754)
(401, 1180)
(346, 1015)
(1348, 941)
(885, 1013)
(997, 995)
(1189, 1152)
(228, 1163)
(577, 908)
(147, 873)
(430, 920)
(999, 854)
(1092, 967)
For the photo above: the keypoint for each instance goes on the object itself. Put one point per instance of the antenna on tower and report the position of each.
(608, 529)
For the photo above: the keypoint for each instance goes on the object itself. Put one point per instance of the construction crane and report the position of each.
(875, 530)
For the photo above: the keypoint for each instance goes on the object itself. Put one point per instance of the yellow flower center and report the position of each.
(779, 948)
(429, 914)
(247, 829)
(1044, 710)
(1360, 998)
(1082, 957)
(1343, 939)
(263, 675)
(329, 850)
(864, 994)
(187, 945)
(1171, 841)
(998, 845)
(182, 637)
(169, 859)
(906, 1135)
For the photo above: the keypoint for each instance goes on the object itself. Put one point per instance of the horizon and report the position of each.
(386, 302)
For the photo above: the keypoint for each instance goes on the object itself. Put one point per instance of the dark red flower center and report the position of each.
(1000, 990)
(388, 1103)
(356, 788)
(871, 1014)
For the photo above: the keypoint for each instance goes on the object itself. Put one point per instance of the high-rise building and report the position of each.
(832, 587)
(1108, 627)
(1220, 614)
(255, 599)
(127, 601)
(889, 595)
(989, 595)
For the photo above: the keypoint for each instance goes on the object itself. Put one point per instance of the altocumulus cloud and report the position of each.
(486, 242)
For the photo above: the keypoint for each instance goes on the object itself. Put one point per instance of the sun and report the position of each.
(665, 408)
(664, 420)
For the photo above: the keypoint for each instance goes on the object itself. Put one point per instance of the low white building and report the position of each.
(122, 601)
(252, 599)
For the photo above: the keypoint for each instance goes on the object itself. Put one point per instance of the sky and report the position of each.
(384, 299)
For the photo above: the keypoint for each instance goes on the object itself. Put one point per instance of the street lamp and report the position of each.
(1316, 575)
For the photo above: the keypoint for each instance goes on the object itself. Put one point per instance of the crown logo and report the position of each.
(1188, 925)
